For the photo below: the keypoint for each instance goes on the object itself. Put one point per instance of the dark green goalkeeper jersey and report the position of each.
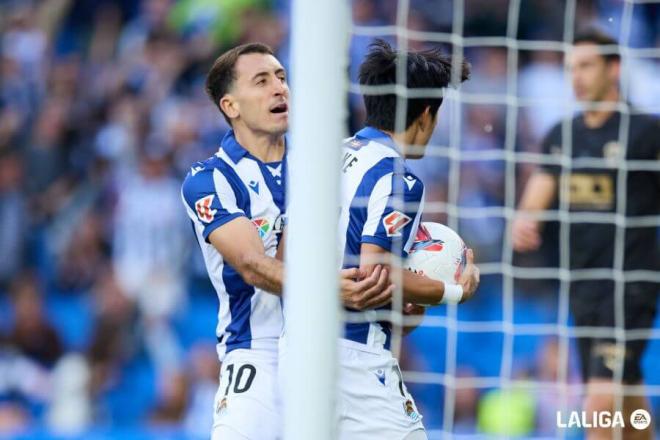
(594, 188)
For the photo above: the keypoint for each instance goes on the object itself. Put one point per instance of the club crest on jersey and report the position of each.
(410, 181)
(394, 222)
(203, 208)
(262, 226)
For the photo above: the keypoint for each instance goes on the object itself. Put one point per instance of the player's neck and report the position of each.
(595, 118)
(405, 141)
(264, 146)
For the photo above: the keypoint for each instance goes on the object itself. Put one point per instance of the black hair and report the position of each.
(599, 38)
(425, 69)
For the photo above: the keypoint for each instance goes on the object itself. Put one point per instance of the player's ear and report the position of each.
(615, 70)
(427, 119)
(229, 106)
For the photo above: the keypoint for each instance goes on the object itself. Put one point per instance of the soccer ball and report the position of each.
(438, 253)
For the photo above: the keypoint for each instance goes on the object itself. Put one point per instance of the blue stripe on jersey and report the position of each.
(357, 331)
(359, 210)
(387, 329)
(239, 292)
(240, 306)
(274, 174)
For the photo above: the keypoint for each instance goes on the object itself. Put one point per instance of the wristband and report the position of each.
(453, 294)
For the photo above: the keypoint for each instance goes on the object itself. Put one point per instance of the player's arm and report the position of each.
(358, 290)
(418, 289)
(538, 195)
(239, 244)
(388, 230)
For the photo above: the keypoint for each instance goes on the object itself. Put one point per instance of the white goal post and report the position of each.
(319, 61)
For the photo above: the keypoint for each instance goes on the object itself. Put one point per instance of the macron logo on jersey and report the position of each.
(203, 208)
(394, 222)
(410, 182)
(254, 185)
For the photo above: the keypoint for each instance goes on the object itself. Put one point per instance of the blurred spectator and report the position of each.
(173, 399)
(13, 217)
(32, 334)
(114, 338)
(204, 375)
(149, 249)
(25, 388)
(187, 397)
(466, 400)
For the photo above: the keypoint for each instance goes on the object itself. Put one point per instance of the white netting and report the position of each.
(447, 389)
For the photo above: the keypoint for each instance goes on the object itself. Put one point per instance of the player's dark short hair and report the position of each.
(223, 73)
(425, 69)
(599, 38)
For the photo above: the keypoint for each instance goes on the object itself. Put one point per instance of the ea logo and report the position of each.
(640, 419)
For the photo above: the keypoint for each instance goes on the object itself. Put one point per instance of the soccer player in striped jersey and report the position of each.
(236, 203)
(382, 203)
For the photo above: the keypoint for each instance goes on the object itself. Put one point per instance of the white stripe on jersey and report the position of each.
(377, 204)
(225, 192)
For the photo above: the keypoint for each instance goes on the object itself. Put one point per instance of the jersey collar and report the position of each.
(376, 135)
(234, 150)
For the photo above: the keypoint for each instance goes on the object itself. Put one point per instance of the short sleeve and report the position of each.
(551, 147)
(210, 199)
(393, 212)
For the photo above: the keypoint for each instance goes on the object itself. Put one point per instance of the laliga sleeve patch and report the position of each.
(203, 208)
(394, 222)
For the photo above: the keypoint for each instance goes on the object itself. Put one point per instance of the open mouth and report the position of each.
(280, 108)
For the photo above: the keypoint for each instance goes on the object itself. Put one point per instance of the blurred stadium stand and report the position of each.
(107, 319)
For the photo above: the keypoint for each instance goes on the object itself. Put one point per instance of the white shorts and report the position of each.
(373, 402)
(247, 401)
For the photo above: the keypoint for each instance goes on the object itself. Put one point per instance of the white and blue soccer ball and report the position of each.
(438, 253)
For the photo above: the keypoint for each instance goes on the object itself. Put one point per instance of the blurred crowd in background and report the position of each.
(107, 318)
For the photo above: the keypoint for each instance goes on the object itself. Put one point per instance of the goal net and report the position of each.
(506, 362)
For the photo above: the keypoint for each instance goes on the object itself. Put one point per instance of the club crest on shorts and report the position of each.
(394, 222)
(409, 409)
(222, 404)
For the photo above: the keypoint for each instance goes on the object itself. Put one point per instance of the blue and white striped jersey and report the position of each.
(230, 184)
(381, 203)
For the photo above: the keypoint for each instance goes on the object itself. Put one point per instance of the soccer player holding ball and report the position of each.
(381, 206)
(594, 189)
